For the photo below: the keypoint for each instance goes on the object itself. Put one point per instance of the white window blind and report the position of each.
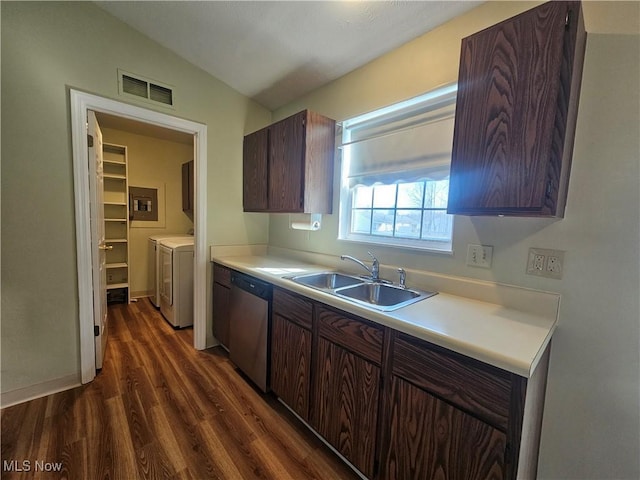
(410, 141)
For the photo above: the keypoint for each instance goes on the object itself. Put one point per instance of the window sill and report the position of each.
(441, 248)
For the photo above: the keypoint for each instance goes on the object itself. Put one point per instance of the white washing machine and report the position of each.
(176, 281)
(154, 262)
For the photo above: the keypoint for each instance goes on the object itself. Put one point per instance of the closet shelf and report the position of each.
(116, 265)
(116, 220)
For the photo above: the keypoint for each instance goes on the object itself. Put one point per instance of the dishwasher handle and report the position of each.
(252, 285)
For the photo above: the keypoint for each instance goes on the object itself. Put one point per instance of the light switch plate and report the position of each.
(545, 262)
(479, 255)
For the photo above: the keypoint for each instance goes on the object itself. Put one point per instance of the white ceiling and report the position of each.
(276, 51)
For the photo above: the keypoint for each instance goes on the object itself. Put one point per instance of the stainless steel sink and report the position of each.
(378, 295)
(327, 280)
(382, 296)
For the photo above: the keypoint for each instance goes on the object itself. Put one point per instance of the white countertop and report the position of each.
(503, 337)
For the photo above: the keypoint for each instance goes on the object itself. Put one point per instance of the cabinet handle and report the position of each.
(105, 247)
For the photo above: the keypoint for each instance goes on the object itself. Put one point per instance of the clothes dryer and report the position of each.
(154, 262)
(176, 281)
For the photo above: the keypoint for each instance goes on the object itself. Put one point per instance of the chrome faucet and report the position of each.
(374, 271)
(403, 278)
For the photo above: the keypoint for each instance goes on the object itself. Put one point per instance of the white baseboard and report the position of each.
(141, 294)
(43, 389)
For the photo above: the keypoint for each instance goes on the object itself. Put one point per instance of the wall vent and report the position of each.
(144, 88)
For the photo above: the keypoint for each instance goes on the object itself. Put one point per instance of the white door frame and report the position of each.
(80, 103)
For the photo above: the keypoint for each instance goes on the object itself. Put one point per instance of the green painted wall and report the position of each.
(48, 48)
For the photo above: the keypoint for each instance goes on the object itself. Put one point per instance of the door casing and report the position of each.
(80, 103)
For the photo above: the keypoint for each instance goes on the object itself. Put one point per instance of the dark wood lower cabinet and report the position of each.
(345, 407)
(430, 439)
(401, 408)
(220, 307)
(291, 364)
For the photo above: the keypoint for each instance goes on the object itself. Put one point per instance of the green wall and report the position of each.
(48, 48)
(591, 425)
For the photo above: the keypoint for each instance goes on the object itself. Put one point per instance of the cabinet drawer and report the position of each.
(482, 390)
(222, 275)
(358, 336)
(293, 307)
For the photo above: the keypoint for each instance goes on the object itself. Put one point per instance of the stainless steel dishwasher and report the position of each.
(249, 309)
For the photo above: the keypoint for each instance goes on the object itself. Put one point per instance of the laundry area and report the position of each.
(148, 216)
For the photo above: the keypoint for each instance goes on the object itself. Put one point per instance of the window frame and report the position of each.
(347, 191)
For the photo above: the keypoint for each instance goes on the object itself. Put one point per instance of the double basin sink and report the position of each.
(381, 296)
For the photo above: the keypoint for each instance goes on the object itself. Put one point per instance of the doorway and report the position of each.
(81, 103)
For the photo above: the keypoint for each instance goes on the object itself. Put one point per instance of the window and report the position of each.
(395, 173)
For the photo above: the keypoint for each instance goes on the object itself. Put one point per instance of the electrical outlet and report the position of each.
(538, 262)
(554, 265)
(545, 262)
(479, 255)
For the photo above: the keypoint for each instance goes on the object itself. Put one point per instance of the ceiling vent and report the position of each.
(144, 88)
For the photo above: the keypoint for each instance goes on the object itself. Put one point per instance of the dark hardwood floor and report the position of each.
(161, 409)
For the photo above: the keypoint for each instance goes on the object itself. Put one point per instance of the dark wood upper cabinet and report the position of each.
(187, 187)
(255, 163)
(518, 89)
(288, 166)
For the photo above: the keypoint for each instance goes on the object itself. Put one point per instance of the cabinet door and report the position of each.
(291, 364)
(345, 409)
(221, 296)
(286, 164)
(255, 171)
(512, 112)
(187, 186)
(430, 439)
